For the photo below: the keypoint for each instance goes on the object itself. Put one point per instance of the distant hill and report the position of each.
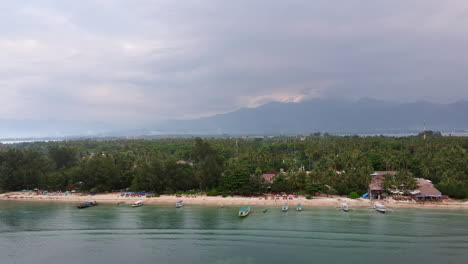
(328, 115)
(365, 116)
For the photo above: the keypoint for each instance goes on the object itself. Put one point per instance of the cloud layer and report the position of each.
(129, 61)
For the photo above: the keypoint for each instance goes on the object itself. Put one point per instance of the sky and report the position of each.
(143, 60)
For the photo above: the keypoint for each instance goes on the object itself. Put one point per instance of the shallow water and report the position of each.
(33, 232)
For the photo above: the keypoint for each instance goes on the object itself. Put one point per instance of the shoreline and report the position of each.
(333, 201)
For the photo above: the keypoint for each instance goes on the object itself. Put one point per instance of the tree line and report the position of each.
(316, 163)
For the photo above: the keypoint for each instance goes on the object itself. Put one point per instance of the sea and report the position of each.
(47, 232)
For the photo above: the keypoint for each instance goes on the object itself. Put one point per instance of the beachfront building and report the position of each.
(376, 188)
(425, 191)
(269, 177)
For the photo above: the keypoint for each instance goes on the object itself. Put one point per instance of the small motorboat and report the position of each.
(137, 203)
(379, 207)
(179, 204)
(87, 204)
(244, 211)
(299, 207)
(285, 207)
(345, 207)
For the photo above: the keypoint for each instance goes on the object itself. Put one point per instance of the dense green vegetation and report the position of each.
(234, 166)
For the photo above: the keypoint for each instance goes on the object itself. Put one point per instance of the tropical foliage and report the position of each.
(334, 165)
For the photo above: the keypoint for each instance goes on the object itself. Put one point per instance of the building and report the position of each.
(270, 176)
(185, 162)
(376, 189)
(425, 191)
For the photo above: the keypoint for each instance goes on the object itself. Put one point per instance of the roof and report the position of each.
(378, 178)
(382, 173)
(184, 162)
(377, 183)
(269, 177)
(426, 188)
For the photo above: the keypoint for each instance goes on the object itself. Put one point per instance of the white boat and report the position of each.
(244, 211)
(285, 207)
(345, 207)
(179, 204)
(137, 203)
(299, 207)
(379, 207)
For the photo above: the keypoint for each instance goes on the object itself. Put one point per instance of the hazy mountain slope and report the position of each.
(363, 116)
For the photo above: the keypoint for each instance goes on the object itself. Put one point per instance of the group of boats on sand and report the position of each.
(245, 210)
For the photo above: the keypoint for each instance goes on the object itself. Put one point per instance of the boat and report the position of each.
(345, 207)
(298, 207)
(137, 203)
(179, 204)
(285, 207)
(87, 204)
(380, 207)
(244, 211)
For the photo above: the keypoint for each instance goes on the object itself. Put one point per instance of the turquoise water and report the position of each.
(59, 233)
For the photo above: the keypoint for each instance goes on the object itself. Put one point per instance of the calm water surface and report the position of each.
(59, 233)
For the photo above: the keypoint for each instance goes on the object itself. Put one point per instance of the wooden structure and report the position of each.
(376, 189)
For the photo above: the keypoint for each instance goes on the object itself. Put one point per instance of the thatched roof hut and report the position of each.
(425, 190)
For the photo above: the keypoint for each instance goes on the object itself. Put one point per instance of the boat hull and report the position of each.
(244, 214)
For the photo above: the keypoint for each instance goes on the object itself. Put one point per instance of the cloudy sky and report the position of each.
(142, 60)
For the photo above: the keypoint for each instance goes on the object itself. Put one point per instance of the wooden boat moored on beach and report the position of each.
(87, 204)
(345, 207)
(244, 211)
(379, 207)
(137, 203)
(179, 204)
(299, 207)
(285, 207)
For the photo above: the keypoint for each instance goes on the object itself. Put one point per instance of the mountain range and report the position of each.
(328, 115)
(365, 116)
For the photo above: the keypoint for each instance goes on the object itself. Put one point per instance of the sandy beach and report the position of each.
(334, 201)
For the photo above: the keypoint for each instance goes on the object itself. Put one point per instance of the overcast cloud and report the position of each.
(141, 60)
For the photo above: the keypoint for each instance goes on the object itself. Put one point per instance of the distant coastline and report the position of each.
(51, 139)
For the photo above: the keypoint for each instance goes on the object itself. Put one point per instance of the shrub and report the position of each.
(168, 191)
(224, 195)
(212, 192)
(353, 195)
(309, 197)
